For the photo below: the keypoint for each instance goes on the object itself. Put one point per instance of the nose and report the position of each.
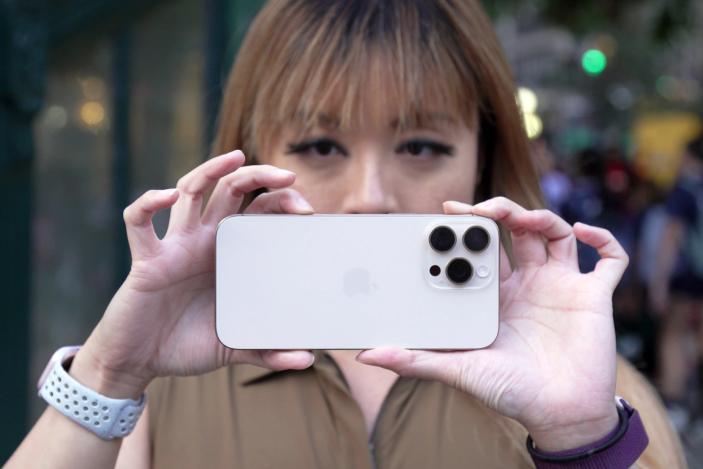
(369, 188)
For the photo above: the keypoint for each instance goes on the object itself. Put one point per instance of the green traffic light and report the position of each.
(594, 61)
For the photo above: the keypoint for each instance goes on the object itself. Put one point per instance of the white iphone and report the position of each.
(357, 281)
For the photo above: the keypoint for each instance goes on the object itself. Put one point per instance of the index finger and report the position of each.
(561, 242)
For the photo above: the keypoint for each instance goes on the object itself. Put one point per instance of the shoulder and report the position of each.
(664, 448)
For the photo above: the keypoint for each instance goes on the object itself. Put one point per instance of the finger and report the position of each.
(275, 359)
(466, 370)
(561, 242)
(230, 190)
(460, 208)
(142, 239)
(504, 267)
(185, 215)
(523, 224)
(613, 258)
(280, 201)
(423, 364)
(528, 247)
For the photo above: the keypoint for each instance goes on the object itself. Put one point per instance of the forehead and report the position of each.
(373, 88)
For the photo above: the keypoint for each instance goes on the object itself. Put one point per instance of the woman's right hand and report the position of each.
(162, 319)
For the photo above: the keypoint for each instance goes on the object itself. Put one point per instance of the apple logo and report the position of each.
(358, 282)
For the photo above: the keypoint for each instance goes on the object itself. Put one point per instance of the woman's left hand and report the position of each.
(552, 366)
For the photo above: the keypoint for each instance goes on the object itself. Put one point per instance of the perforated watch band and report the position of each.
(106, 417)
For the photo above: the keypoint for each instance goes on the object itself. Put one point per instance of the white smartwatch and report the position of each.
(106, 417)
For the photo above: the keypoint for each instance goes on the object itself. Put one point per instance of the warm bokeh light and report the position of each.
(533, 125)
(527, 99)
(92, 113)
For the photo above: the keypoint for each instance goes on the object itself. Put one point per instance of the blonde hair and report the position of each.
(302, 58)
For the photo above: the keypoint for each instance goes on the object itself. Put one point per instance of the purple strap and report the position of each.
(619, 449)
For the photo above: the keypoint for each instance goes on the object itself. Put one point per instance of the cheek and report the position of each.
(424, 191)
(326, 195)
(425, 194)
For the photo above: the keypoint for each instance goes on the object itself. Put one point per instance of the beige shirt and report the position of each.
(246, 417)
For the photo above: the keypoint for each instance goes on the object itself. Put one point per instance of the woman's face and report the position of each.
(379, 168)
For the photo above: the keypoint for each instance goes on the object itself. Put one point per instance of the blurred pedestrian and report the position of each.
(676, 285)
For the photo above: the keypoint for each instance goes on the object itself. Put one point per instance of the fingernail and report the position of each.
(285, 172)
(360, 355)
(303, 204)
(456, 205)
(233, 154)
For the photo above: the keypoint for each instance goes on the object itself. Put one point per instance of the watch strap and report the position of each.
(619, 449)
(108, 418)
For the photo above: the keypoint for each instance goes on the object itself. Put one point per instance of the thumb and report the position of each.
(280, 201)
(423, 364)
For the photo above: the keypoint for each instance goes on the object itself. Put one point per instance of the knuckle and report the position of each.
(233, 187)
(127, 215)
(287, 197)
(286, 193)
(185, 185)
(610, 236)
(182, 182)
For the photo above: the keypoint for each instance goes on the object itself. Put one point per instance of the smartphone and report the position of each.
(357, 281)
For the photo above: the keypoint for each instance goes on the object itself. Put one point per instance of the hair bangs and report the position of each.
(364, 63)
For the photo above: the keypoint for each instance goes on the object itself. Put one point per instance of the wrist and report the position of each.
(619, 449)
(86, 402)
(88, 369)
(581, 433)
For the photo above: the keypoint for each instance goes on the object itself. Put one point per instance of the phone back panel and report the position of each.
(351, 282)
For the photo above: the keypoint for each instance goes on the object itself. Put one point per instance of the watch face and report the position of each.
(59, 356)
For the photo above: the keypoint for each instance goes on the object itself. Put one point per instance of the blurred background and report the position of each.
(102, 100)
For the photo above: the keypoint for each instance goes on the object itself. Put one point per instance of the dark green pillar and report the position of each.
(22, 64)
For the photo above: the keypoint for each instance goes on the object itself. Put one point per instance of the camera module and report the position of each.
(442, 238)
(476, 239)
(459, 270)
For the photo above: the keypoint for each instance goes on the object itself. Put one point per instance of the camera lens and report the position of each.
(476, 239)
(442, 238)
(459, 270)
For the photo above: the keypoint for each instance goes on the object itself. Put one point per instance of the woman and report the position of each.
(371, 107)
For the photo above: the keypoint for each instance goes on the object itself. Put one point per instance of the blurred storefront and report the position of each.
(101, 100)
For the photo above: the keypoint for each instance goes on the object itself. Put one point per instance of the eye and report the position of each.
(324, 147)
(425, 148)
